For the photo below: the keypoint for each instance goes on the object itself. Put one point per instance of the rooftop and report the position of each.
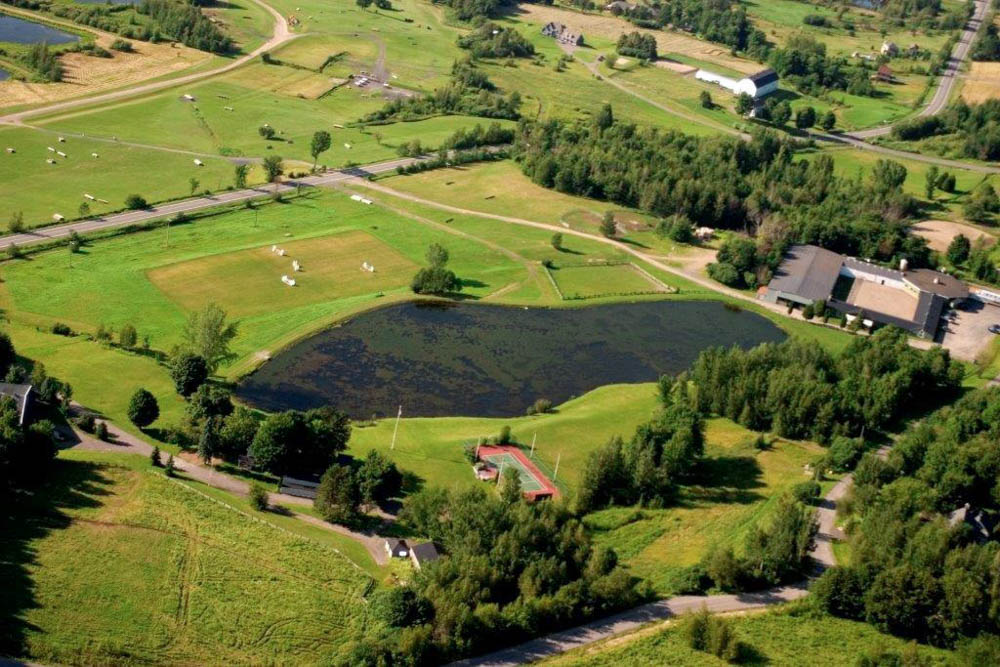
(808, 271)
(938, 283)
(764, 77)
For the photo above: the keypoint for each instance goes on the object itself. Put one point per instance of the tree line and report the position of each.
(728, 183)
(915, 570)
(186, 24)
(491, 40)
(976, 126)
(721, 21)
(470, 92)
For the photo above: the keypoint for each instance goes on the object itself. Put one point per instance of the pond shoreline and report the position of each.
(447, 358)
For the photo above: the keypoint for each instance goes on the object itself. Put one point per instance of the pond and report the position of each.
(19, 31)
(439, 359)
(4, 74)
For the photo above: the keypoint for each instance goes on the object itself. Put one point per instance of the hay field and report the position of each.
(610, 28)
(982, 83)
(247, 282)
(41, 190)
(84, 75)
(169, 577)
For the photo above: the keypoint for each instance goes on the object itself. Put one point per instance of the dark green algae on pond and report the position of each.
(438, 358)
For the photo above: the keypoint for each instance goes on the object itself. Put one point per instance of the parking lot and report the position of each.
(965, 334)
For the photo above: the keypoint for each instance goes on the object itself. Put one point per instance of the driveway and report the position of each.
(965, 334)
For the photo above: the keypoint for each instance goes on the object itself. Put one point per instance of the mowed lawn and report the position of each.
(248, 282)
(791, 635)
(108, 283)
(40, 190)
(113, 563)
(584, 282)
(433, 448)
(735, 488)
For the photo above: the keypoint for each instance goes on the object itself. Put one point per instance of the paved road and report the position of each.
(280, 36)
(126, 442)
(633, 619)
(948, 77)
(53, 232)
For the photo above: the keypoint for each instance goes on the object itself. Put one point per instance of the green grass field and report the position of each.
(246, 282)
(433, 448)
(736, 487)
(791, 635)
(112, 563)
(584, 282)
(40, 190)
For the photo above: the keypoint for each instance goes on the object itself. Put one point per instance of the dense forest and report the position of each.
(514, 570)
(918, 569)
(798, 390)
(637, 45)
(494, 41)
(470, 92)
(804, 64)
(976, 126)
(721, 21)
(728, 183)
(186, 24)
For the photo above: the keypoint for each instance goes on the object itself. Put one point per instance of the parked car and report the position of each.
(994, 328)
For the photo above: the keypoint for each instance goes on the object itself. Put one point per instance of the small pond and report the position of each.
(4, 74)
(19, 31)
(439, 359)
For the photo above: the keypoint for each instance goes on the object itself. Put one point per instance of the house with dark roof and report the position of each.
(562, 34)
(421, 554)
(396, 548)
(913, 300)
(24, 398)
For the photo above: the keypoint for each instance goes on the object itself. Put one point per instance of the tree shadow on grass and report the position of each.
(726, 479)
(31, 515)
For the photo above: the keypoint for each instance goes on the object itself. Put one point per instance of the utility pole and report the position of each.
(533, 436)
(396, 428)
(555, 473)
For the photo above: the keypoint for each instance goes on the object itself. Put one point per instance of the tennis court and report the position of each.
(534, 483)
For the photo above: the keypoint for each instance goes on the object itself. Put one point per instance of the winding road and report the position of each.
(280, 36)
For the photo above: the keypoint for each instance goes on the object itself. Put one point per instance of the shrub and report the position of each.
(170, 466)
(154, 457)
(258, 497)
(845, 452)
(188, 371)
(61, 329)
(540, 406)
(101, 431)
(806, 492)
(86, 422)
(128, 337)
(122, 45)
(143, 409)
(136, 203)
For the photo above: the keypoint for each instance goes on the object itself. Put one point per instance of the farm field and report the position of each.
(433, 448)
(609, 28)
(779, 637)
(245, 282)
(227, 112)
(735, 487)
(780, 19)
(110, 283)
(192, 581)
(982, 83)
(40, 190)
